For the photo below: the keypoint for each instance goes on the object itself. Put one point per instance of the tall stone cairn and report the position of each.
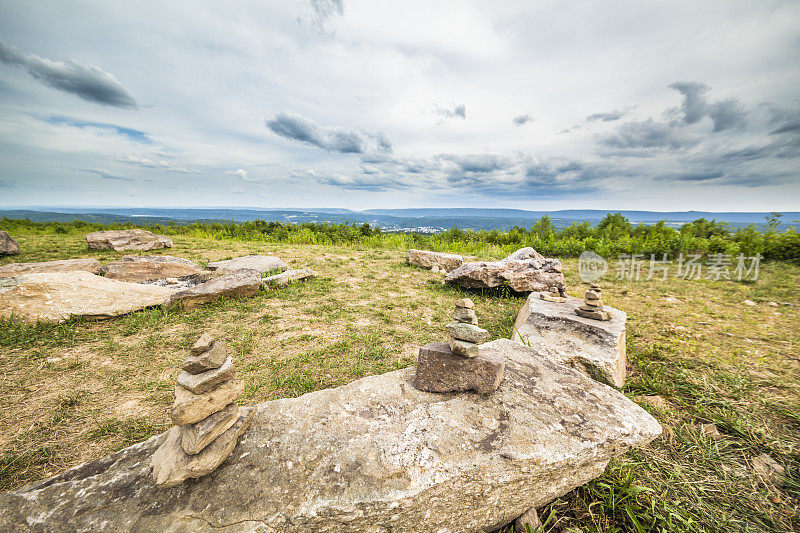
(465, 335)
(593, 304)
(208, 423)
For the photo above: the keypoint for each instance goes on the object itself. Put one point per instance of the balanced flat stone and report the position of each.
(463, 348)
(195, 437)
(127, 239)
(202, 344)
(237, 283)
(523, 271)
(439, 260)
(593, 313)
(284, 278)
(189, 408)
(373, 455)
(8, 246)
(172, 466)
(136, 269)
(92, 266)
(261, 263)
(593, 347)
(465, 315)
(57, 296)
(465, 303)
(467, 332)
(210, 359)
(205, 381)
(441, 370)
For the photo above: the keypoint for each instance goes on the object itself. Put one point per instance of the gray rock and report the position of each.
(261, 263)
(56, 296)
(212, 358)
(593, 313)
(195, 437)
(127, 239)
(428, 259)
(373, 455)
(141, 269)
(593, 347)
(238, 283)
(172, 466)
(465, 303)
(205, 381)
(467, 332)
(441, 370)
(92, 266)
(8, 246)
(189, 408)
(202, 344)
(463, 348)
(530, 519)
(523, 271)
(284, 278)
(464, 315)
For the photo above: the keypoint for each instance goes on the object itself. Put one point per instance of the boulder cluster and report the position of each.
(208, 423)
(593, 304)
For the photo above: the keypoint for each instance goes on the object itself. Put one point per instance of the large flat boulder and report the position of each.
(374, 455)
(238, 283)
(428, 259)
(127, 239)
(141, 269)
(594, 347)
(262, 263)
(55, 297)
(8, 246)
(92, 266)
(523, 271)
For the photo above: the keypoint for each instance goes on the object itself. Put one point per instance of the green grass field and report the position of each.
(77, 391)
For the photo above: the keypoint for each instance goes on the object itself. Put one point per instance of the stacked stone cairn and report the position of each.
(208, 423)
(458, 365)
(556, 294)
(593, 304)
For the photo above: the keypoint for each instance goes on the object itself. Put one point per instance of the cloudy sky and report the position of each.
(363, 103)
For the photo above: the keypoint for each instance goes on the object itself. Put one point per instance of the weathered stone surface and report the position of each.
(205, 381)
(92, 266)
(441, 370)
(195, 437)
(127, 239)
(593, 313)
(172, 466)
(189, 408)
(57, 296)
(524, 271)
(261, 263)
(141, 269)
(244, 282)
(465, 303)
(284, 278)
(202, 344)
(427, 259)
(467, 332)
(212, 358)
(464, 315)
(529, 518)
(595, 348)
(8, 246)
(463, 348)
(373, 455)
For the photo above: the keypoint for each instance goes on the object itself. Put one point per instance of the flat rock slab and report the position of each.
(212, 358)
(594, 347)
(205, 381)
(284, 278)
(427, 259)
(141, 269)
(8, 246)
(523, 271)
(238, 283)
(373, 455)
(57, 296)
(261, 263)
(127, 239)
(441, 370)
(46, 267)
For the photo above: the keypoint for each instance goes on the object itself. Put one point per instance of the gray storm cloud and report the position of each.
(347, 141)
(606, 117)
(519, 120)
(458, 111)
(85, 81)
(726, 114)
(646, 134)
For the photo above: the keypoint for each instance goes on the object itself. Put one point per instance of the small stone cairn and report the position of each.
(556, 294)
(208, 423)
(593, 304)
(458, 365)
